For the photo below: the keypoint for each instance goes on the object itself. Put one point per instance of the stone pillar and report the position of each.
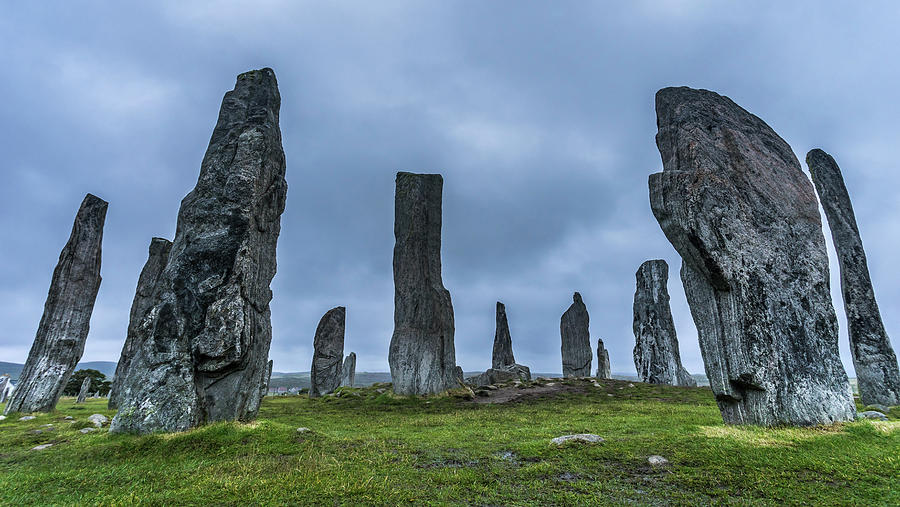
(83, 392)
(502, 353)
(328, 352)
(576, 340)
(603, 368)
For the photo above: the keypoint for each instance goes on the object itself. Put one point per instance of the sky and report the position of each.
(539, 115)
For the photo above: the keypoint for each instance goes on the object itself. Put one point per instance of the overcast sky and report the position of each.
(538, 114)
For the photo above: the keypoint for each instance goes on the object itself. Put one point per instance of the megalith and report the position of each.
(603, 368)
(264, 385)
(202, 345)
(874, 360)
(576, 340)
(83, 392)
(157, 257)
(422, 356)
(4, 383)
(348, 370)
(328, 352)
(656, 355)
(502, 354)
(734, 202)
(59, 342)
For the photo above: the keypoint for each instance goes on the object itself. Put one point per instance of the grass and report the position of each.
(370, 448)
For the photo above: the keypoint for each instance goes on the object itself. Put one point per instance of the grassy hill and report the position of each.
(370, 448)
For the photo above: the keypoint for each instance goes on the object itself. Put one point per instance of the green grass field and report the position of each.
(369, 448)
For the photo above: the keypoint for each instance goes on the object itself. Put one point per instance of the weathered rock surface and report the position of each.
(500, 375)
(580, 437)
(264, 388)
(874, 359)
(83, 392)
(64, 326)
(422, 355)
(872, 414)
(157, 257)
(603, 368)
(98, 420)
(734, 202)
(656, 355)
(348, 371)
(328, 352)
(502, 353)
(4, 384)
(576, 340)
(202, 346)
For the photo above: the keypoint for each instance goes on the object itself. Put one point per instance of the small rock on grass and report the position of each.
(304, 430)
(657, 460)
(879, 407)
(87, 430)
(69, 418)
(98, 420)
(2, 417)
(581, 437)
(26, 418)
(871, 414)
(41, 447)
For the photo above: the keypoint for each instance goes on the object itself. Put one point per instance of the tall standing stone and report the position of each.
(734, 202)
(502, 353)
(603, 368)
(203, 345)
(4, 383)
(348, 371)
(656, 355)
(328, 352)
(157, 257)
(264, 387)
(422, 355)
(874, 359)
(59, 342)
(576, 340)
(83, 392)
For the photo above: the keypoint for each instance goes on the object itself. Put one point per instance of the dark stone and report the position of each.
(422, 356)
(603, 368)
(264, 387)
(503, 353)
(59, 342)
(348, 371)
(873, 357)
(328, 352)
(157, 257)
(202, 346)
(576, 340)
(656, 356)
(500, 375)
(83, 392)
(734, 202)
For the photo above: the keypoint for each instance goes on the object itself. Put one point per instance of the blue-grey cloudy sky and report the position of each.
(538, 114)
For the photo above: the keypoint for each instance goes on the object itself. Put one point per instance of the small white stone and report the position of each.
(87, 430)
(2, 417)
(41, 447)
(98, 420)
(26, 418)
(581, 437)
(657, 460)
(303, 430)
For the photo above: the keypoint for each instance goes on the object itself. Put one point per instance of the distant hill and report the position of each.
(107, 368)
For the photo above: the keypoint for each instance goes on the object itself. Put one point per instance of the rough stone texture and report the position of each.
(264, 387)
(83, 392)
(656, 355)
(580, 437)
(872, 414)
(603, 368)
(422, 355)
(98, 420)
(64, 326)
(348, 371)
(4, 383)
(500, 375)
(502, 353)
(576, 340)
(328, 352)
(873, 357)
(157, 257)
(734, 202)
(203, 345)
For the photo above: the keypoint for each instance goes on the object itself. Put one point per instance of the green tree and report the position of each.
(98, 382)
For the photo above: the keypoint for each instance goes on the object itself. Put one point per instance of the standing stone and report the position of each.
(60, 337)
(328, 351)
(4, 383)
(873, 357)
(503, 353)
(603, 369)
(422, 355)
(734, 202)
(83, 392)
(264, 387)
(656, 356)
(202, 346)
(348, 371)
(576, 340)
(143, 301)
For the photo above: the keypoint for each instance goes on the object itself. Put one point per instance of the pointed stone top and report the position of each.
(500, 306)
(576, 298)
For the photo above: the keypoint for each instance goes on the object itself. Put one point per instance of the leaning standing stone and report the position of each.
(203, 344)
(656, 355)
(502, 353)
(873, 357)
(328, 351)
(143, 300)
(4, 382)
(422, 356)
(734, 202)
(348, 371)
(83, 392)
(603, 368)
(576, 340)
(64, 326)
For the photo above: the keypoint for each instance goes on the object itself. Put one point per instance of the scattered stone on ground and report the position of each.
(2, 417)
(26, 418)
(657, 460)
(69, 418)
(576, 339)
(87, 430)
(872, 414)
(303, 430)
(581, 437)
(41, 447)
(879, 407)
(98, 420)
